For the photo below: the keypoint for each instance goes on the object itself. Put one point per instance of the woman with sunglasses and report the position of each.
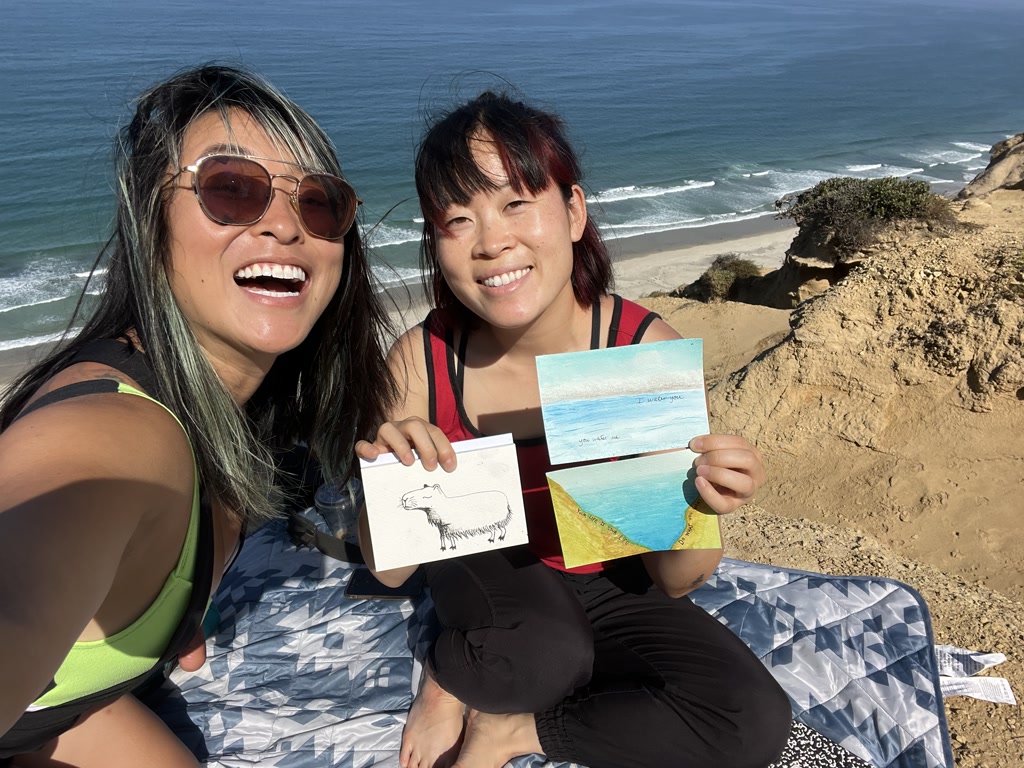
(608, 665)
(238, 317)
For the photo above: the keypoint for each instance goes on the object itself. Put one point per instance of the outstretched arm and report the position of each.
(81, 491)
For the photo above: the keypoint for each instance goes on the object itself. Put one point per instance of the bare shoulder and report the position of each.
(408, 362)
(409, 346)
(659, 330)
(107, 435)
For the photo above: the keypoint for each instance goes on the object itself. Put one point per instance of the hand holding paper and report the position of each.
(729, 471)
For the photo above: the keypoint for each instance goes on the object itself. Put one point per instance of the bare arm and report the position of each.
(406, 429)
(79, 485)
(729, 471)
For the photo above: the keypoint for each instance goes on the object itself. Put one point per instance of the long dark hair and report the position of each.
(331, 390)
(534, 152)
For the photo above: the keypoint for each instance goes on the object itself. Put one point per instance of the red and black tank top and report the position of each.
(445, 372)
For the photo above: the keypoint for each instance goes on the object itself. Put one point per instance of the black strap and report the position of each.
(613, 326)
(641, 329)
(79, 388)
(121, 356)
(595, 325)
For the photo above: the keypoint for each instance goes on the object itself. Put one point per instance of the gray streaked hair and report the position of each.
(331, 390)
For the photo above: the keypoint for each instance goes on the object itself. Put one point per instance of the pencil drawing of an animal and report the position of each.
(459, 517)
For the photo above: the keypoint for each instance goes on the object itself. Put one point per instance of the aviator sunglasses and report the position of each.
(237, 190)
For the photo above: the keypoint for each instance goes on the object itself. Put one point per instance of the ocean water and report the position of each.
(688, 113)
(645, 499)
(579, 430)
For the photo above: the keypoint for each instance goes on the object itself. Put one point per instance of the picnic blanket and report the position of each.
(299, 675)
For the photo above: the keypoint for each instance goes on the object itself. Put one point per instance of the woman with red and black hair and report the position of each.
(605, 665)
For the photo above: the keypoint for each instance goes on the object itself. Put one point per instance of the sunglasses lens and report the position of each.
(327, 205)
(233, 190)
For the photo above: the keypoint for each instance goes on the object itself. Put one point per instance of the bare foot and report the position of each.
(433, 730)
(492, 740)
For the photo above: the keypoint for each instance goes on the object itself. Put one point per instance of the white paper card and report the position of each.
(416, 516)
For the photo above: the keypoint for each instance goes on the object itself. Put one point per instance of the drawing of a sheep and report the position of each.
(459, 517)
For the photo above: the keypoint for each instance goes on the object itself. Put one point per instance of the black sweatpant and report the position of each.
(616, 673)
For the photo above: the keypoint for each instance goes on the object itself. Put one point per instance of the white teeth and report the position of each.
(265, 292)
(505, 279)
(276, 271)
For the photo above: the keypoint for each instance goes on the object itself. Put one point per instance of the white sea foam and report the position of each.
(972, 146)
(31, 341)
(631, 229)
(942, 156)
(879, 170)
(384, 235)
(391, 276)
(98, 273)
(32, 304)
(633, 192)
(896, 170)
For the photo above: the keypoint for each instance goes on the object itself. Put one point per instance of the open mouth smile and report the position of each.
(269, 279)
(498, 281)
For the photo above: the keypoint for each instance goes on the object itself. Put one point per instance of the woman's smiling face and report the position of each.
(507, 256)
(251, 292)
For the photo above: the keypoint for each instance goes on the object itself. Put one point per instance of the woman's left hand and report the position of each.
(729, 471)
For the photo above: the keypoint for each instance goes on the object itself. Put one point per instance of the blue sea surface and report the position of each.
(580, 430)
(688, 113)
(645, 498)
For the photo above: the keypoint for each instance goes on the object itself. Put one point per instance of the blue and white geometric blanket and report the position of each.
(299, 675)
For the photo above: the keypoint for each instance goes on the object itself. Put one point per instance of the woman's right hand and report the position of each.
(403, 437)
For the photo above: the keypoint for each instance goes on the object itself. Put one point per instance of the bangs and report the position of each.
(447, 172)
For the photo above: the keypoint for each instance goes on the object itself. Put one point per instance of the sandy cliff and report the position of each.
(891, 416)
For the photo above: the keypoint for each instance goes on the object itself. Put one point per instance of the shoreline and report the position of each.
(642, 264)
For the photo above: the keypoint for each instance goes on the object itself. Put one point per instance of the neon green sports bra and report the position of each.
(95, 665)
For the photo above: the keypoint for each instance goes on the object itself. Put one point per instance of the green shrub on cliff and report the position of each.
(717, 281)
(846, 214)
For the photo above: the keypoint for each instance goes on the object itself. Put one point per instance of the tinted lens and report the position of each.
(233, 190)
(327, 205)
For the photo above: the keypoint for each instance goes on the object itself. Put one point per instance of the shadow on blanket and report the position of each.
(298, 675)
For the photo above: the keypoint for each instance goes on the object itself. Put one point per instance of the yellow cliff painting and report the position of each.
(621, 508)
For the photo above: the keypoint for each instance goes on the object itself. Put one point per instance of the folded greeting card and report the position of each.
(416, 516)
(624, 401)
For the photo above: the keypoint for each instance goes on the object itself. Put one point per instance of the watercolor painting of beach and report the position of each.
(622, 401)
(621, 508)
(417, 516)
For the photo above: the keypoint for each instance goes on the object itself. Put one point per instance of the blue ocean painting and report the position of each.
(622, 401)
(645, 498)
